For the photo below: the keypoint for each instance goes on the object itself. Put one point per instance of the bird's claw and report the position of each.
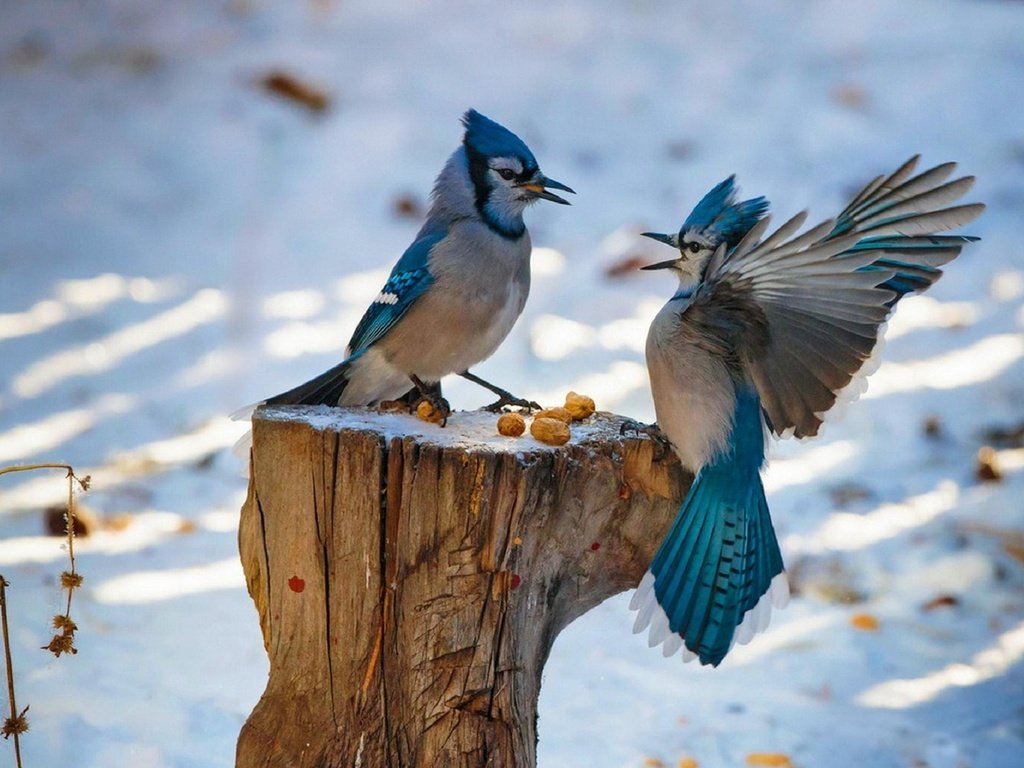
(662, 444)
(439, 404)
(518, 402)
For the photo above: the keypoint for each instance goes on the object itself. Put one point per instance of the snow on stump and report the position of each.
(410, 580)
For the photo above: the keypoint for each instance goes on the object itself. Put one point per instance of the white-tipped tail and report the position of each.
(650, 614)
(245, 412)
(757, 618)
(242, 446)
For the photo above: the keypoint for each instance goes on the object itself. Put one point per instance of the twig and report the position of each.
(63, 642)
(16, 724)
(30, 467)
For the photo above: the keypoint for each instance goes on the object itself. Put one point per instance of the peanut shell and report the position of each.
(580, 406)
(550, 431)
(511, 424)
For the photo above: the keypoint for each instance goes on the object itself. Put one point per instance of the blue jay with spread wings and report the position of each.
(762, 336)
(456, 292)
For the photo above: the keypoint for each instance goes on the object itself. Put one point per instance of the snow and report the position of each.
(175, 243)
(468, 430)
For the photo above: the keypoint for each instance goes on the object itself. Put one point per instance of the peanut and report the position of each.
(550, 431)
(511, 424)
(427, 412)
(580, 406)
(558, 412)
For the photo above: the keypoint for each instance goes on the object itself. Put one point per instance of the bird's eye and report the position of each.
(506, 173)
(694, 247)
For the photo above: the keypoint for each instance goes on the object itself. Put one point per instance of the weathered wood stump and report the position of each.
(410, 580)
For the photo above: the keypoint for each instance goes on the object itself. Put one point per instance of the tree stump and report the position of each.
(410, 580)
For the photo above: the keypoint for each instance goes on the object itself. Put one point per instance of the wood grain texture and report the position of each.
(410, 581)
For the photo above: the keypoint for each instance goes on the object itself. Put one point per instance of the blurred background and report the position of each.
(199, 199)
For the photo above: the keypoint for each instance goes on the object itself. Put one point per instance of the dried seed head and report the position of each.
(62, 643)
(60, 621)
(85, 482)
(70, 580)
(15, 726)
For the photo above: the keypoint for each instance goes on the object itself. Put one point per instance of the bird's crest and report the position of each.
(719, 216)
(487, 138)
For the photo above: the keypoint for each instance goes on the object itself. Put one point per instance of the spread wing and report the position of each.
(899, 215)
(409, 279)
(802, 312)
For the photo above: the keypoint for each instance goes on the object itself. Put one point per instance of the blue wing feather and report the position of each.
(409, 279)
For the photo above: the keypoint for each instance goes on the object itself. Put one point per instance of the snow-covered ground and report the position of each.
(175, 242)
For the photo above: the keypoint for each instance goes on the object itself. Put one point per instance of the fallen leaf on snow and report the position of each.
(865, 622)
(769, 758)
(987, 467)
(941, 601)
(296, 91)
(625, 266)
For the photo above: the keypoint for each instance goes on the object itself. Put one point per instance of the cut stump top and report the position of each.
(466, 430)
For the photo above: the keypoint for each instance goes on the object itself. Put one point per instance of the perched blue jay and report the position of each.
(760, 339)
(456, 292)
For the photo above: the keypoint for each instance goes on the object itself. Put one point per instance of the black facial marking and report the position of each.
(478, 168)
(478, 174)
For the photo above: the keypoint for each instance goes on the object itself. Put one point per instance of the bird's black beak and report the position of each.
(662, 264)
(666, 239)
(539, 186)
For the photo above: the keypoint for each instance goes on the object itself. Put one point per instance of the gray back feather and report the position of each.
(453, 196)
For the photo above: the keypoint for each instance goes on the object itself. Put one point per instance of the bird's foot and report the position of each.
(426, 401)
(438, 410)
(662, 445)
(504, 396)
(508, 399)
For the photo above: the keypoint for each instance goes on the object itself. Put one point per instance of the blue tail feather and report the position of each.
(721, 554)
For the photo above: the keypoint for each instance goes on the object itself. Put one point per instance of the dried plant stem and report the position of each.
(64, 640)
(15, 716)
(70, 579)
(29, 467)
(70, 523)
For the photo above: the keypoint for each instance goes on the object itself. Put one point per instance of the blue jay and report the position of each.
(761, 337)
(456, 292)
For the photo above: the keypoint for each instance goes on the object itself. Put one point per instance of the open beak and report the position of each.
(539, 186)
(667, 240)
(662, 264)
